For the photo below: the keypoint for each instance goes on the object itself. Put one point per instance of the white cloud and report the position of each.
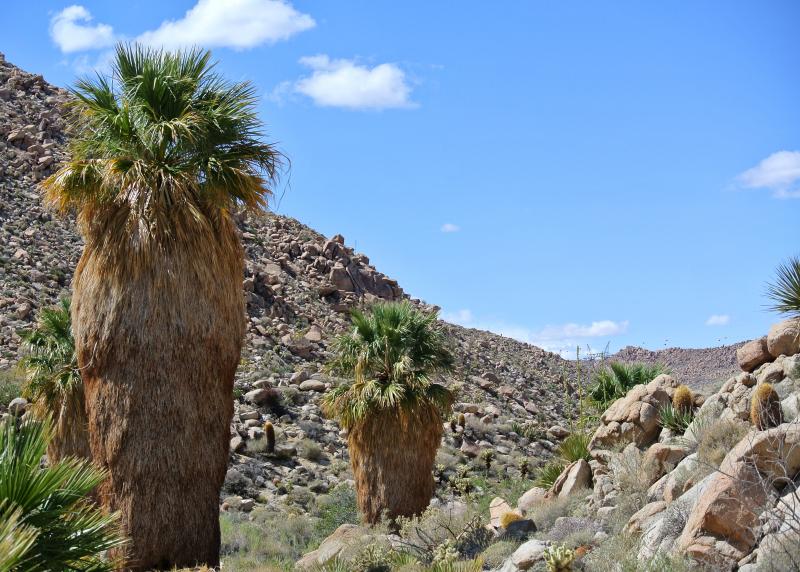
(344, 83)
(71, 31)
(237, 24)
(563, 339)
(450, 227)
(718, 320)
(779, 173)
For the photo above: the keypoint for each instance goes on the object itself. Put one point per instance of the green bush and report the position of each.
(548, 473)
(335, 509)
(71, 533)
(676, 420)
(575, 447)
(615, 380)
(10, 387)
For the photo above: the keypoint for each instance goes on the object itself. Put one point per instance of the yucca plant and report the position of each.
(785, 291)
(616, 379)
(675, 419)
(547, 474)
(391, 405)
(163, 153)
(53, 382)
(574, 447)
(49, 508)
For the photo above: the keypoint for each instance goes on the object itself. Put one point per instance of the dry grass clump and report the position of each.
(545, 514)
(716, 439)
(618, 553)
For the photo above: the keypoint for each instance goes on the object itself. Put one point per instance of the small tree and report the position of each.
(54, 382)
(391, 406)
(47, 517)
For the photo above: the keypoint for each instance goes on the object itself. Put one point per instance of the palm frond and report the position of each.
(785, 290)
(389, 358)
(70, 533)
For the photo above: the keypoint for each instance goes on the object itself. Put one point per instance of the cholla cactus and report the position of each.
(269, 430)
(508, 517)
(445, 554)
(765, 407)
(524, 467)
(559, 558)
(682, 399)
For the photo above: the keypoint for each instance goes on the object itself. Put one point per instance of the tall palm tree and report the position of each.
(46, 518)
(162, 152)
(391, 406)
(54, 383)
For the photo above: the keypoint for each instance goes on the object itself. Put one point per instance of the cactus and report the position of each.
(682, 399)
(508, 517)
(462, 421)
(487, 456)
(765, 408)
(524, 468)
(559, 558)
(269, 430)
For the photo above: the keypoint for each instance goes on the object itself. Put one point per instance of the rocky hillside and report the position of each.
(700, 368)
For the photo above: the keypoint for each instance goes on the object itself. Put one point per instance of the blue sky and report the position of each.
(563, 172)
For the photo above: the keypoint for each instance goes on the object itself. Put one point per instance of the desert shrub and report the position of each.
(268, 538)
(616, 379)
(618, 553)
(530, 431)
(336, 508)
(310, 450)
(547, 474)
(675, 419)
(460, 533)
(291, 395)
(545, 514)
(575, 447)
(716, 438)
(509, 489)
(497, 553)
(633, 473)
(10, 387)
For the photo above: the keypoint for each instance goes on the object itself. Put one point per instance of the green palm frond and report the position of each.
(165, 132)
(16, 540)
(69, 532)
(391, 357)
(785, 291)
(616, 378)
(50, 362)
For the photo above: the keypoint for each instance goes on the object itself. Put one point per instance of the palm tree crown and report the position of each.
(165, 134)
(785, 291)
(390, 357)
(51, 363)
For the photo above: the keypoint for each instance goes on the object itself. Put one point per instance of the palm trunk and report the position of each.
(392, 455)
(70, 431)
(158, 330)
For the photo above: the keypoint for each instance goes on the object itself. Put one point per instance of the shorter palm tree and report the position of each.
(54, 382)
(46, 512)
(391, 406)
(785, 291)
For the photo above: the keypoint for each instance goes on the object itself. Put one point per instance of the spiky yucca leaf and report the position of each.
(71, 532)
(390, 356)
(16, 539)
(574, 447)
(785, 291)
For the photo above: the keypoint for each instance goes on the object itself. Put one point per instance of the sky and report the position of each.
(592, 174)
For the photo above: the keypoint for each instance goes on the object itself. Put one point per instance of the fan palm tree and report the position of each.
(785, 291)
(161, 154)
(54, 383)
(616, 379)
(391, 406)
(47, 521)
